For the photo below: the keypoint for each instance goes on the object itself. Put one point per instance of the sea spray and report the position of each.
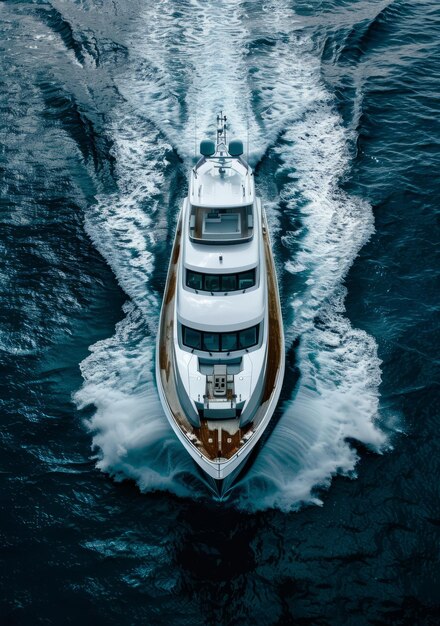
(336, 400)
(130, 434)
(127, 226)
(337, 395)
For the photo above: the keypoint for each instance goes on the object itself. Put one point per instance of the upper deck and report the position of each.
(218, 257)
(221, 195)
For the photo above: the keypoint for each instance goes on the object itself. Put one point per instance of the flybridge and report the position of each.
(214, 225)
(221, 192)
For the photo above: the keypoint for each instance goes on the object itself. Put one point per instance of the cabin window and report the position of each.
(192, 338)
(229, 282)
(246, 279)
(194, 280)
(212, 282)
(229, 342)
(248, 337)
(220, 282)
(220, 342)
(211, 342)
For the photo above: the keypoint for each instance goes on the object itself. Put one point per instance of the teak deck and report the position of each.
(215, 443)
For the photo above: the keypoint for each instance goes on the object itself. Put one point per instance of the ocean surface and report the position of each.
(104, 518)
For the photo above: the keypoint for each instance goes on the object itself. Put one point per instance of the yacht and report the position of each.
(220, 346)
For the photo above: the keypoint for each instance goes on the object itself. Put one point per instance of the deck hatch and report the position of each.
(220, 380)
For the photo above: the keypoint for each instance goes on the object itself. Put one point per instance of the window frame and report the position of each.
(220, 277)
(194, 330)
(220, 342)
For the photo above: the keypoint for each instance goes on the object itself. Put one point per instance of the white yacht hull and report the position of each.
(222, 471)
(220, 346)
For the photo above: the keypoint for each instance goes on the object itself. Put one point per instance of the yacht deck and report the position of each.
(215, 441)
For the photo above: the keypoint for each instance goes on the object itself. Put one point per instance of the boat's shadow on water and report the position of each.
(217, 553)
(212, 560)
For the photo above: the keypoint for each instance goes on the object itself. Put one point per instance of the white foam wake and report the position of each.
(190, 63)
(196, 57)
(337, 397)
(130, 433)
(336, 400)
(126, 226)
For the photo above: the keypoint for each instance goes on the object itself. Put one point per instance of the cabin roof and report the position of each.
(221, 313)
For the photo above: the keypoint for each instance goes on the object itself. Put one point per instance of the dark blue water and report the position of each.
(104, 519)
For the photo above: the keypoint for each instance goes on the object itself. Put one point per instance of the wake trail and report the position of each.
(337, 397)
(131, 435)
(193, 65)
(190, 59)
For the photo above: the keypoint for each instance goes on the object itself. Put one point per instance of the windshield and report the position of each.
(220, 342)
(220, 282)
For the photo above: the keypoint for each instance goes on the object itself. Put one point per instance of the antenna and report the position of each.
(247, 141)
(221, 128)
(195, 131)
